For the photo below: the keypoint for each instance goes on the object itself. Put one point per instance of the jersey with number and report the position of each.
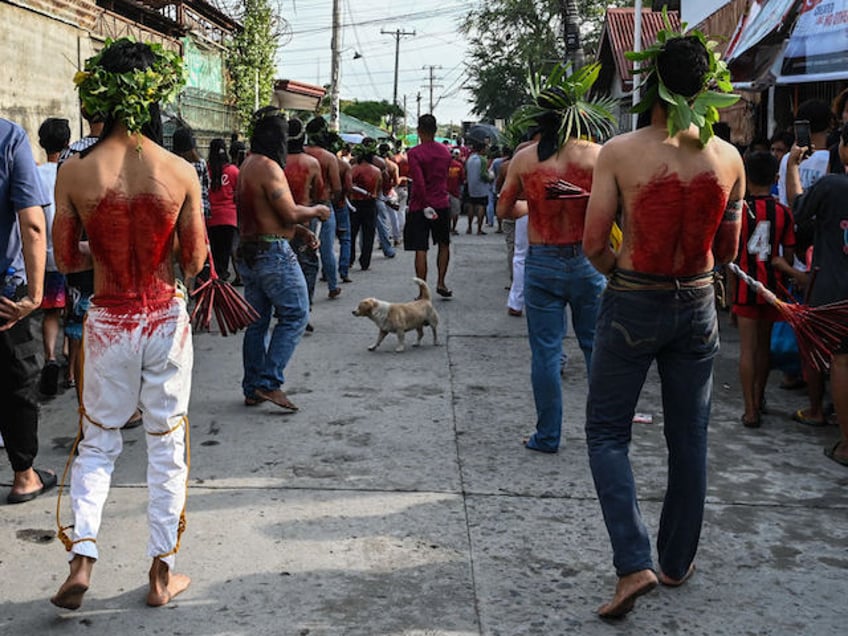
(766, 227)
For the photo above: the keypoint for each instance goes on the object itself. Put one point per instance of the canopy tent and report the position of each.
(412, 139)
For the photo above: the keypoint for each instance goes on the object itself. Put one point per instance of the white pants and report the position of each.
(516, 291)
(403, 197)
(134, 361)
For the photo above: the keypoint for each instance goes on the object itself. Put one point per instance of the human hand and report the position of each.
(798, 153)
(430, 213)
(802, 279)
(322, 212)
(11, 311)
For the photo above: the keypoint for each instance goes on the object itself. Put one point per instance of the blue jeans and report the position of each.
(553, 278)
(679, 330)
(342, 213)
(383, 229)
(327, 237)
(273, 283)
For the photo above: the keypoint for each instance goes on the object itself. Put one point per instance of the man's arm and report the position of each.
(191, 229)
(511, 190)
(67, 225)
(601, 211)
(793, 173)
(726, 240)
(34, 239)
(276, 189)
(335, 177)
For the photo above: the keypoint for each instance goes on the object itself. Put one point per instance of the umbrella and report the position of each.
(483, 133)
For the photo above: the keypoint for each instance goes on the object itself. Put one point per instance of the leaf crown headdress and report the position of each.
(563, 102)
(366, 149)
(127, 96)
(701, 108)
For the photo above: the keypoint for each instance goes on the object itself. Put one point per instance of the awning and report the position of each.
(764, 18)
(817, 50)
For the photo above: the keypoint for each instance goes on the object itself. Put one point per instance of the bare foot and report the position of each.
(76, 585)
(278, 397)
(164, 585)
(627, 590)
(670, 582)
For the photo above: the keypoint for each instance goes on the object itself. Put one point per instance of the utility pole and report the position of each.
(335, 69)
(431, 85)
(571, 27)
(418, 106)
(398, 34)
(405, 129)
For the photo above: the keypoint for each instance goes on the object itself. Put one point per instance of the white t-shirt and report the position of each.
(47, 172)
(811, 169)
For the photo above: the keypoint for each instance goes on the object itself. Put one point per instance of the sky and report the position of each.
(306, 56)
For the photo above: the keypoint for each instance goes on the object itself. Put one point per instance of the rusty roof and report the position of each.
(618, 34)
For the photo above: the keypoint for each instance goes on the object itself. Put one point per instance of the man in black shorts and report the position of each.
(429, 206)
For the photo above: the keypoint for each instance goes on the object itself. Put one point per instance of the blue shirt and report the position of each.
(474, 168)
(20, 188)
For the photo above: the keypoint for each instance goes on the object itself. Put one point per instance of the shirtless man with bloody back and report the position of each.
(680, 201)
(137, 203)
(274, 284)
(557, 274)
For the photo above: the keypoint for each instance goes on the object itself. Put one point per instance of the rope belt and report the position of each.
(627, 280)
(62, 530)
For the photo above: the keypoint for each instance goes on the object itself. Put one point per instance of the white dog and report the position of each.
(401, 317)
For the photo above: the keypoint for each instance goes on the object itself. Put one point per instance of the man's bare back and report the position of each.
(303, 172)
(135, 208)
(265, 202)
(552, 221)
(672, 194)
(329, 171)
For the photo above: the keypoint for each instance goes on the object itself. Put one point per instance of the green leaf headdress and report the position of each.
(361, 150)
(700, 109)
(127, 97)
(563, 100)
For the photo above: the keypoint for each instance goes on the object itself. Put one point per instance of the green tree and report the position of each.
(372, 112)
(250, 59)
(512, 39)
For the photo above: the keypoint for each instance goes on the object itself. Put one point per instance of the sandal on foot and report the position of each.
(444, 292)
(48, 481)
(799, 417)
(755, 423)
(278, 397)
(830, 453)
(253, 400)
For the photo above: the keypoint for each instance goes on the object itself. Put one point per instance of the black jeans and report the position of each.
(222, 240)
(20, 351)
(365, 217)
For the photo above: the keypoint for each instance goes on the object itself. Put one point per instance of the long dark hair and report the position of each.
(217, 160)
(121, 57)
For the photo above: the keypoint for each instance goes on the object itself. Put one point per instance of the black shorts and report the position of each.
(484, 201)
(418, 229)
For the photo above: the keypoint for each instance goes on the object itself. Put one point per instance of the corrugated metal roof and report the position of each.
(619, 29)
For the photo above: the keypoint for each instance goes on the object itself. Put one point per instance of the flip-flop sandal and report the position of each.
(799, 417)
(283, 403)
(444, 292)
(48, 481)
(253, 400)
(830, 453)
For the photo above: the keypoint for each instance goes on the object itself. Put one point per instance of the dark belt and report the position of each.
(566, 250)
(627, 280)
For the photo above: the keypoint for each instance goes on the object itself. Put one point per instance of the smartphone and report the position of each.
(802, 133)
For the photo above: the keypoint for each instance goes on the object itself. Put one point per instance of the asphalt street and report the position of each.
(399, 499)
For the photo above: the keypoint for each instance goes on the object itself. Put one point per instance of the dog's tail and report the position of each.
(424, 290)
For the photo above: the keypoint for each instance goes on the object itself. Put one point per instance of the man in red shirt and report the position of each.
(456, 177)
(429, 205)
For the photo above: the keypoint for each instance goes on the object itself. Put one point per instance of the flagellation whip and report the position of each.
(820, 330)
(215, 296)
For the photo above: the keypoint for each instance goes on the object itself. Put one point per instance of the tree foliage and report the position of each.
(250, 58)
(372, 112)
(513, 39)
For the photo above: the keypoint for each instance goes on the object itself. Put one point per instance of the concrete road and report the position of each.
(399, 500)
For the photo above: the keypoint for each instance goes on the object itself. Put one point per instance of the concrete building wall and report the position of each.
(40, 56)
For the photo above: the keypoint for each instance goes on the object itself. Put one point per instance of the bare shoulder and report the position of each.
(523, 158)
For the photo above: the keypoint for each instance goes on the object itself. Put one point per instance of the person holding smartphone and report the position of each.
(812, 125)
